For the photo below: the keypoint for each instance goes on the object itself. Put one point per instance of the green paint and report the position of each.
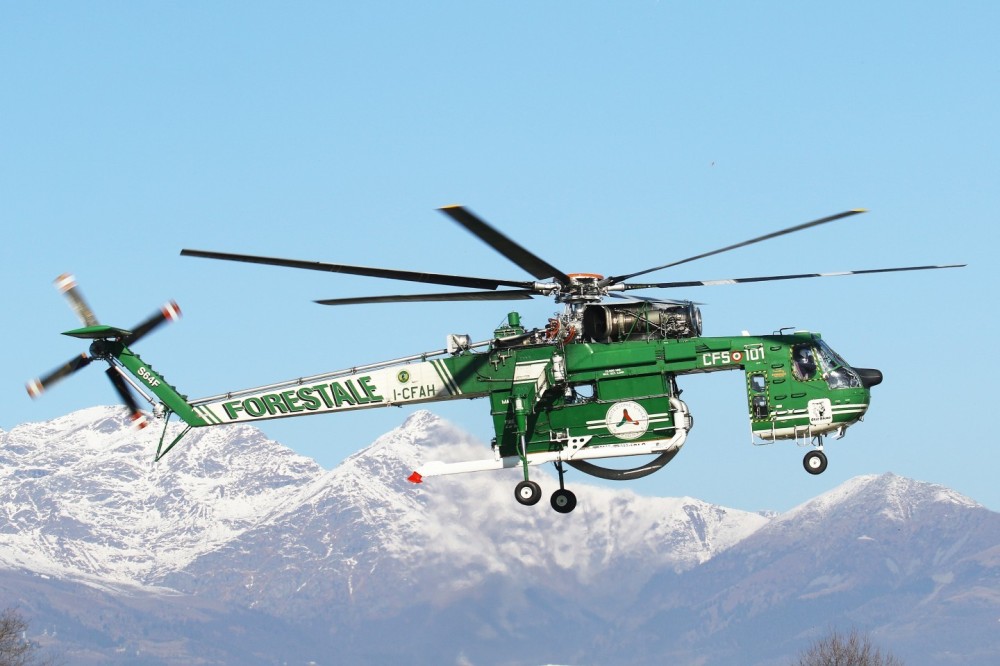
(545, 408)
(333, 395)
(291, 399)
(309, 401)
(340, 396)
(254, 407)
(365, 383)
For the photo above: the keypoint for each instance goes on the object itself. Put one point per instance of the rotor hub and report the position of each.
(100, 349)
(582, 288)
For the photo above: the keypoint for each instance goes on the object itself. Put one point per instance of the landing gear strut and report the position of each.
(527, 492)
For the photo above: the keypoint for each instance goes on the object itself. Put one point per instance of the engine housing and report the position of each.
(641, 321)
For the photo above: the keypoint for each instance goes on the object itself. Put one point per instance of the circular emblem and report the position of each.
(627, 420)
(403, 376)
(737, 356)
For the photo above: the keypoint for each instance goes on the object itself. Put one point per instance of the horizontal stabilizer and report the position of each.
(98, 332)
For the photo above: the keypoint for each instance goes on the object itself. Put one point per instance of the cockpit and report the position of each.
(816, 360)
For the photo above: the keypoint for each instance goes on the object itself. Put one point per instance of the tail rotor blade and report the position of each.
(169, 312)
(37, 386)
(138, 418)
(66, 284)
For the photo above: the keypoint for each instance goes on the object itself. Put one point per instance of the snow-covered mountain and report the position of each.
(82, 496)
(234, 549)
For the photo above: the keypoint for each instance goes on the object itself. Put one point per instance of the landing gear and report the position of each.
(528, 493)
(563, 500)
(815, 462)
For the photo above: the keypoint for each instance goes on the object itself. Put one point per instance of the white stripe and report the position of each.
(449, 381)
(659, 416)
(653, 418)
(206, 413)
(791, 417)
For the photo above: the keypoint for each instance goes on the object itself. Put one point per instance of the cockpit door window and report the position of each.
(804, 362)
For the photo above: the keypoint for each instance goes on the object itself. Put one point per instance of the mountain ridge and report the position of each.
(235, 530)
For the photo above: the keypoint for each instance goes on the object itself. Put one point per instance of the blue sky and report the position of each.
(605, 137)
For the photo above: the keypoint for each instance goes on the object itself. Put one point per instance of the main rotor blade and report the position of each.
(799, 227)
(138, 419)
(66, 284)
(769, 278)
(368, 271)
(509, 295)
(536, 266)
(169, 312)
(37, 386)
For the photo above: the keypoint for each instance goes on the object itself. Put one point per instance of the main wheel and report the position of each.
(815, 462)
(563, 500)
(528, 493)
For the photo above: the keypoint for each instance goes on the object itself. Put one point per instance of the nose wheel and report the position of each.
(815, 462)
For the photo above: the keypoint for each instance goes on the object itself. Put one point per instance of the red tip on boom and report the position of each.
(415, 478)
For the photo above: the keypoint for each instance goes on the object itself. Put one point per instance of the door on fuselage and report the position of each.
(757, 394)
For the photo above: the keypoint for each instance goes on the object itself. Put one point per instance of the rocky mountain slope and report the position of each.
(234, 549)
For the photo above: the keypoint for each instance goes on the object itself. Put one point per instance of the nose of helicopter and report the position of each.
(869, 376)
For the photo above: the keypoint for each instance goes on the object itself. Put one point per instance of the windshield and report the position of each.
(837, 373)
(812, 361)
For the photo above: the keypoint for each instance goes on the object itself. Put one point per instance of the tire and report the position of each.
(815, 462)
(528, 493)
(563, 500)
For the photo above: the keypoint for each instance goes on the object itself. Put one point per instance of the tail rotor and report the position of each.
(108, 342)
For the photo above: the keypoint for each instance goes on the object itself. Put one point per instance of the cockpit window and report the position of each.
(812, 361)
(803, 362)
(836, 372)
